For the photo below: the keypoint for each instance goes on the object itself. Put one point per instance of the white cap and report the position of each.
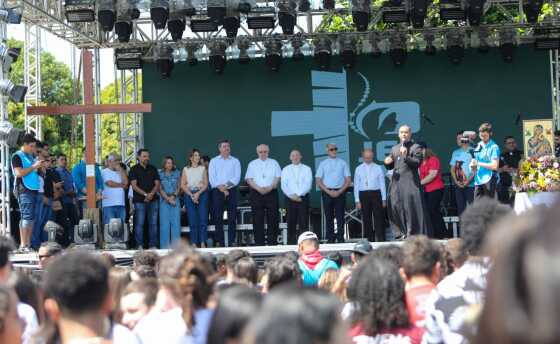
(306, 236)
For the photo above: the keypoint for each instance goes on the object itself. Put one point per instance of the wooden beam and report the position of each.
(89, 128)
(88, 108)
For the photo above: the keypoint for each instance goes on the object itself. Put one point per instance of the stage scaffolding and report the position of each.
(49, 15)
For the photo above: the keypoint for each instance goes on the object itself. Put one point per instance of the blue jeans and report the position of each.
(169, 223)
(27, 201)
(114, 212)
(198, 218)
(219, 202)
(43, 213)
(141, 210)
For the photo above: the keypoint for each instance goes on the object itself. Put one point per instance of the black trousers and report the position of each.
(463, 197)
(262, 205)
(372, 208)
(67, 218)
(433, 203)
(504, 195)
(486, 190)
(334, 207)
(297, 216)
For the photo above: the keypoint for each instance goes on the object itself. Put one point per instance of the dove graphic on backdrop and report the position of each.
(331, 121)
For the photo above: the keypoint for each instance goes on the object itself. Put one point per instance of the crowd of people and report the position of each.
(495, 284)
(47, 189)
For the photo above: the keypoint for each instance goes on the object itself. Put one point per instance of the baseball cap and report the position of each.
(362, 247)
(306, 236)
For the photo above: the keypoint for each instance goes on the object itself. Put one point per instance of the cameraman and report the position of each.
(485, 163)
(509, 162)
(461, 173)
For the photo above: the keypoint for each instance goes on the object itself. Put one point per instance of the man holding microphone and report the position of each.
(405, 202)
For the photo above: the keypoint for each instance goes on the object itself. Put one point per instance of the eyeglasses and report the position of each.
(334, 149)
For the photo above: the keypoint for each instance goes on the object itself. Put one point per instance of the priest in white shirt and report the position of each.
(296, 183)
(371, 196)
(263, 175)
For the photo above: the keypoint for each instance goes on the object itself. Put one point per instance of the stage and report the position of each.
(259, 253)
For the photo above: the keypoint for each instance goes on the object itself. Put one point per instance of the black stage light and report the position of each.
(159, 13)
(304, 5)
(430, 49)
(452, 10)
(260, 22)
(231, 25)
(455, 46)
(243, 44)
(287, 16)
(273, 54)
(348, 50)
(397, 49)
(164, 61)
(532, 10)
(395, 15)
(329, 4)
(507, 45)
(79, 11)
(217, 56)
(297, 44)
(15, 92)
(176, 27)
(547, 43)
(323, 52)
(123, 29)
(128, 58)
(419, 11)
(192, 49)
(203, 25)
(374, 40)
(106, 14)
(475, 11)
(361, 14)
(216, 10)
(483, 45)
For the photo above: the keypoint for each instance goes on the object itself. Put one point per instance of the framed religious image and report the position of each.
(538, 137)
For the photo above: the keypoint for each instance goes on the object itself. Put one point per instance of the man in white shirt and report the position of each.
(333, 178)
(296, 183)
(263, 175)
(224, 173)
(115, 181)
(371, 196)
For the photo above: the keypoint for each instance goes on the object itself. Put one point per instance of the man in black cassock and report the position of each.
(405, 203)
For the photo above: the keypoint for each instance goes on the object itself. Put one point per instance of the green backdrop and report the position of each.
(300, 107)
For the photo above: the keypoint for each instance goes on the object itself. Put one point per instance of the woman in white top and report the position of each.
(194, 183)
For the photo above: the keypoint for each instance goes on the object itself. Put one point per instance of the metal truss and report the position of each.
(32, 76)
(4, 152)
(97, 100)
(49, 15)
(131, 124)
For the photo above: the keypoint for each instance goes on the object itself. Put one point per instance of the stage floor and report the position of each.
(259, 253)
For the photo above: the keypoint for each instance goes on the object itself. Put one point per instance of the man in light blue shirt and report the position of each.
(462, 174)
(485, 163)
(333, 178)
(224, 174)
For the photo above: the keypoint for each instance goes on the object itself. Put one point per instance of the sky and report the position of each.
(62, 51)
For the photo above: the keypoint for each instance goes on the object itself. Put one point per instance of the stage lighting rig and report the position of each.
(452, 10)
(85, 234)
(176, 26)
(8, 56)
(397, 49)
(430, 49)
(297, 48)
(55, 232)
(123, 29)
(217, 55)
(419, 12)
(323, 52)
(192, 49)
(329, 4)
(475, 11)
(455, 46)
(128, 58)
(532, 10)
(483, 44)
(127, 11)
(287, 16)
(159, 13)
(10, 15)
(79, 11)
(10, 135)
(243, 44)
(115, 235)
(164, 60)
(106, 14)
(361, 13)
(348, 49)
(216, 10)
(15, 92)
(304, 5)
(273, 54)
(374, 39)
(507, 44)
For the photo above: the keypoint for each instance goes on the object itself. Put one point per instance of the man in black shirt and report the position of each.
(144, 180)
(509, 163)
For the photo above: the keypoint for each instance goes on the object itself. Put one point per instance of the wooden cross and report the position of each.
(89, 109)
